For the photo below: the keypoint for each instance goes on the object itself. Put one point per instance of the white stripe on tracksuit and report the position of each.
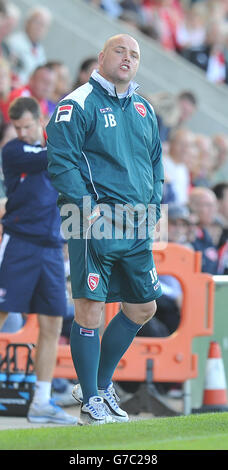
(3, 245)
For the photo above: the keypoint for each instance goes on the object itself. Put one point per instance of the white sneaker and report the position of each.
(95, 412)
(49, 413)
(110, 398)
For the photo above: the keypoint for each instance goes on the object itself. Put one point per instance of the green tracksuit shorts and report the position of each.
(113, 270)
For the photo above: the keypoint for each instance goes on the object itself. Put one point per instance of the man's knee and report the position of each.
(148, 311)
(140, 313)
(88, 313)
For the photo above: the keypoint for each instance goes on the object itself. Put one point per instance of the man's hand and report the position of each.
(94, 216)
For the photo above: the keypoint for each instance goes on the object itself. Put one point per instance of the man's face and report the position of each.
(205, 206)
(28, 128)
(187, 109)
(42, 83)
(119, 61)
(37, 27)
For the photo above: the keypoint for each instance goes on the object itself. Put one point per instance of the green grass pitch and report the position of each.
(193, 432)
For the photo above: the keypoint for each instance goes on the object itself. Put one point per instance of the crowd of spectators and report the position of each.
(197, 30)
(190, 160)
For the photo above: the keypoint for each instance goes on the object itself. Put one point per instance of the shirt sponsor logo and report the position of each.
(86, 332)
(105, 110)
(33, 149)
(93, 280)
(140, 108)
(64, 113)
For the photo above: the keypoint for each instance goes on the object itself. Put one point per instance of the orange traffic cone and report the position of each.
(215, 395)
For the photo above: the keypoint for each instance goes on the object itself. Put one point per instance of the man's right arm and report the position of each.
(64, 145)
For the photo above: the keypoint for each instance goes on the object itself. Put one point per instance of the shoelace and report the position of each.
(113, 395)
(98, 410)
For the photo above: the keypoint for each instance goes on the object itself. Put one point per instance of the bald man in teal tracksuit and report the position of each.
(104, 153)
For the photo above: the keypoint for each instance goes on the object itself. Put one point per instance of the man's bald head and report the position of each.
(118, 38)
(119, 60)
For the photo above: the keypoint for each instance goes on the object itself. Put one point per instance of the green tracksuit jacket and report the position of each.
(99, 146)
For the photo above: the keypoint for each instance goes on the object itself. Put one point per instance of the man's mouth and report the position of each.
(125, 67)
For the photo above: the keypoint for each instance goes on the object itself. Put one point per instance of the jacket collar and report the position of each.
(110, 87)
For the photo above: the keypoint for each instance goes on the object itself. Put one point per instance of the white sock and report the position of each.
(42, 393)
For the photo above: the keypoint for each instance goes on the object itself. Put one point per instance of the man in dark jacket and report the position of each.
(32, 275)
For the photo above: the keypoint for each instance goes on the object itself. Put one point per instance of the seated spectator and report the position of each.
(84, 72)
(187, 102)
(26, 46)
(10, 15)
(191, 31)
(172, 111)
(40, 86)
(178, 223)
(206, 161)
(211, 56)
(203, 203)
(164, 16)
(176, 169)
(62, 83)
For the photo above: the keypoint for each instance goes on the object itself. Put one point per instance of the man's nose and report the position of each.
(127, 56)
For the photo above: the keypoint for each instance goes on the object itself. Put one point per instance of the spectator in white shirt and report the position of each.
(26, 46)
(176, 169)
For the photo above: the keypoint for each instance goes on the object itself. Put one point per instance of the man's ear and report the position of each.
(100, 58)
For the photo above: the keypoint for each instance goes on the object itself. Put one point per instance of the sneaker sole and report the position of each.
(119, 419)
(114, 414)
(88, 420)
(40, 419)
